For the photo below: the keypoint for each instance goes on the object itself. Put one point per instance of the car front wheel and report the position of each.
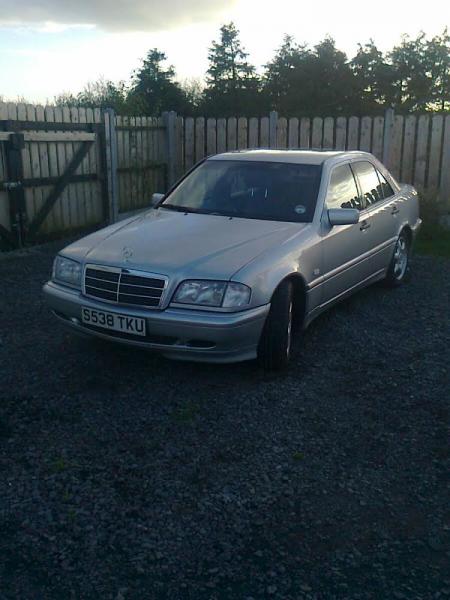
(274, 348)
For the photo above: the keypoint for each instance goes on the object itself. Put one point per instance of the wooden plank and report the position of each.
(36, 198)
(421, 151)
(120, 131)
(434, 165)
(293, 133)
(189, 143)
(377, 137)
(264, 133)
(147, 188)
(79, 188)
(317, 132)
(281, 133)
(134, 163)
(5, 221)
(242, 133)
(366, 134)
(406, 173)
(199, 138)
(328, 133)
(395, 154)
(211, 137)
(84, 169)
(50, 136)
(126, 200)
(353, 133)
(140, 163)
(179, 147)
(53, 168)
(444, 188)
(65, 197)
(273, 126)
(253, 133)
(232, 133)
(96, 153)
(341, 133)
(50, 224)
(221, 135)
(305, 133)
(26, 163)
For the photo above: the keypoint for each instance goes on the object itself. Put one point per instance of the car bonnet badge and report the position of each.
(127, 253)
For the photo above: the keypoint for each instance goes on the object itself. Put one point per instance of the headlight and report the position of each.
(67, 271)
(212, 293)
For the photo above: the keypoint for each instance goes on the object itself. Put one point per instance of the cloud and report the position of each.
(111, 15)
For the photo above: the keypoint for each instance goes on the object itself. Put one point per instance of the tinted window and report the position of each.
(342, 191)
(371, 189)
(386, 188)
(249, 189)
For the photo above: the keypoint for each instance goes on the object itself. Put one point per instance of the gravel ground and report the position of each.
(126, 476)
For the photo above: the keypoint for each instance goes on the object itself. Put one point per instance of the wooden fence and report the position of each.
(415, 148)
(63, 169)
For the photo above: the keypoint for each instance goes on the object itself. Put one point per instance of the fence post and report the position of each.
(387, 136)
(14, 166)
(111, 164)
(170, 120)
(273, 123)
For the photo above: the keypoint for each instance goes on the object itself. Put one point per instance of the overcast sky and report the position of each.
(50, 46)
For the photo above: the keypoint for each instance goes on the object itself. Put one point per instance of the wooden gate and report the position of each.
(53, 177)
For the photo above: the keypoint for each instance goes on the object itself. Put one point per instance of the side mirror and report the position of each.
(156, 199)
(343, 216)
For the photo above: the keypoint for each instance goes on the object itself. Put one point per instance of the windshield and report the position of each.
(253, 190)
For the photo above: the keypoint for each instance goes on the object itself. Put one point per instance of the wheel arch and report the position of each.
(299, 297)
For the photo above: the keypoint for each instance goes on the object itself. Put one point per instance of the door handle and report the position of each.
(364, 225)
(395, 210)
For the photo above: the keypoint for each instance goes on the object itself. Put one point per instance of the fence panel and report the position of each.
(416, 149)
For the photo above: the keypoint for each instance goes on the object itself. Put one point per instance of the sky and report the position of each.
(53, 46)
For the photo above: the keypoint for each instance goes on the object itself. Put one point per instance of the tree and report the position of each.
(154, 88)
(98, 94)
(232, 85)
(193, 89)
(283, 76)
(411, 74)
(438, 55)
(374, 77)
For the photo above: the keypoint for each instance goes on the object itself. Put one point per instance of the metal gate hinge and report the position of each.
(12, 185)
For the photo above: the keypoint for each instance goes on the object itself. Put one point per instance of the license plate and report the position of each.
(108, 320)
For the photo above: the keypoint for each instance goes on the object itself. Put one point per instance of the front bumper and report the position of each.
(176, 333)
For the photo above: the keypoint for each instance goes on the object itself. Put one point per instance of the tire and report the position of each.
(398, 271)
(274, 347)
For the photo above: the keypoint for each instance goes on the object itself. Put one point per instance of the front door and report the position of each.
(344, 247)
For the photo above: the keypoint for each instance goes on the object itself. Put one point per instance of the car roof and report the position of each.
(309, 157)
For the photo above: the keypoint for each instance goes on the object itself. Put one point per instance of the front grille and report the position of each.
(123, 286)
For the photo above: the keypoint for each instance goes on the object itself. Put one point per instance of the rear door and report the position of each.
(382, 208)
(344, 246)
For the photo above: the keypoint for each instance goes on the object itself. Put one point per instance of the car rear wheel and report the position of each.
(274, 348)
(398, 271)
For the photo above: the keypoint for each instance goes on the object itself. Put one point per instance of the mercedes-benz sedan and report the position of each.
(247, 248)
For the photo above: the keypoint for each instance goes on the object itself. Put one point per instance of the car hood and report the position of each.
(189, 245)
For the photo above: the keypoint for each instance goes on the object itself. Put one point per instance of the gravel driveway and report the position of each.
(126, 476)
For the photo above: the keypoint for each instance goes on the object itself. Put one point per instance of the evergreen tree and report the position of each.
(154, 88)
(231, 82)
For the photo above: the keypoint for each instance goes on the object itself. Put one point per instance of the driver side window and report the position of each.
(342, 190)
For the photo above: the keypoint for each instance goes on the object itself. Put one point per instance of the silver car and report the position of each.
(247, 248)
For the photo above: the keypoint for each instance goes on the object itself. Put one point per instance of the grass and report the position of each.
(433, 240)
